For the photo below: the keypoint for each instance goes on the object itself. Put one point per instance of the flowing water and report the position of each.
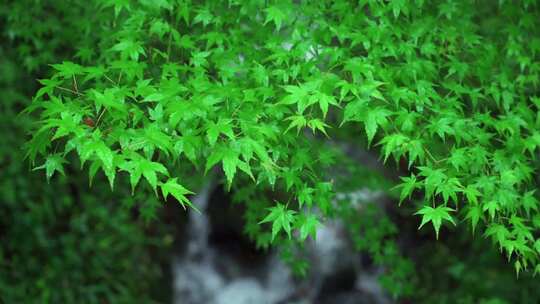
(207, 274)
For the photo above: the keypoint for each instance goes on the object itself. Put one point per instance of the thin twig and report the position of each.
(75, 84)
(109, 79)
(433, 158)
(69, 90)
(99, 117)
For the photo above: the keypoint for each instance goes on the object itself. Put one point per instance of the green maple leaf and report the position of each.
(296, 94)
(130, 49)
(358, 66)
(393, 144)
(223, 126)
(68, 124)
(104, 153)
(416, 151)
(317, 124)
(139, 167)
(449, 189)
(118, 5)
(155, 138)
(492, 207)
(246, 168)
(281, 219)
(458, 159)
(178, 191)
(261, 74)
(345, 88)
(434, 178)
(157, 4)
(39, 143)
(435, 216)
(375, 118)
(354, 110)
(530, 202)
(48, 88)
(53, 163)
(68, 69)
(204, 16)
(474, 214)
(298, 122)
(324, 101)
(159, 27)
(407, 187)
(499, 232)
(230, 162)
(399, 6)
(308, 226)
(110, 99)
(472, 194)
(276, 15)
(305, 196)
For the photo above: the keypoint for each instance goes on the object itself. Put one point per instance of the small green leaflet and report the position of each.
(393, 144)
(498, 232)
(130, 49)
(305, 196)
(407, 187)
(223, 126)
(68, 69)
(491, 207)
(530, 202)
(38, 145)
(230, 162)
(105, 154)
(274, 14)
(317, 124)
(298, 122)
(48, 88)
(160, 28)
(449, 189)
(308, 226)
(140, 166)
(435, 216)
(472, 194)
(434, 178)
(474, 214)
(354, 110)
(375, 118)
(178, 191)
(281, 219)
(324, 101)
(204, 16)
(53, 163)
(100, 149)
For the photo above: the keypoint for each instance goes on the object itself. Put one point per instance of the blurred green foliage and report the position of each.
(62, 242)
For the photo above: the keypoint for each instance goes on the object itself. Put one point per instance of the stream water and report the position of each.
(231, 271)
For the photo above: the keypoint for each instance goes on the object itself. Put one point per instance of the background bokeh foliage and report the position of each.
(64, 241)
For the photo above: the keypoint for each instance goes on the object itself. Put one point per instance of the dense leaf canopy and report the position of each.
(446, 92)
